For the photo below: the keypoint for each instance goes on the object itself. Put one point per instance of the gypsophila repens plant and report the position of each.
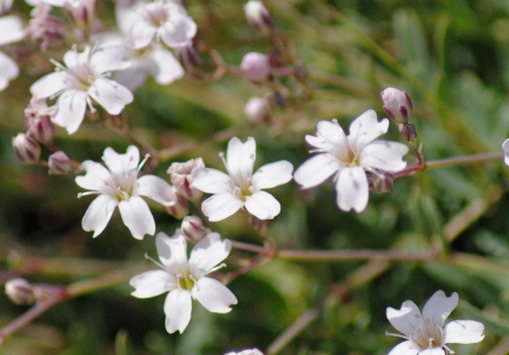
(254, 177)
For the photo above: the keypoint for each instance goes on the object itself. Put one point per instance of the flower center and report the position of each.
(243, 192)
(156, 14)
(427, 336)
(186, 282)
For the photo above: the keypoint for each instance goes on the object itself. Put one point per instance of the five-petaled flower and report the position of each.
(240, 187)
(350, 157)
(426, 333)
(186, 279)
(118, 184)
(84, 77)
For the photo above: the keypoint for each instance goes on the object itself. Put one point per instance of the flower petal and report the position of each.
(263, 205)
(433, 351)
(96, 178)
(165, 68)
(49, 85)
(71, 110)
(178, 32)
(404, 348)
(111, 95)
(240, 158)
(8, 70)
(384, 155)
(439, 306)
(213, 295)
(98, 214)
(405, 319)
(152, 283)
(329, 135)
(352, 190)
(212, 181)
(177, 307)
(137, 217)
(464, 332)
(11, 29)
(141, 34)
(172, 252)
(220, 206)
(365, 129)
(157, 189)
(273, 174)
(316, 170)
(505, 147)
(122, 165)
(209, 252)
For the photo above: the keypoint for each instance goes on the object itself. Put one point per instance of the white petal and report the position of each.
(141, 34)
(240, 158)
(164, 67)
(152, 283)
(157, 189)
(178, 32)
(365, 129)
(464, 332)
(352, 190)
(213, 295)
(273, 174)
(137, 217)
(108, 57)
(405, 319)
(49, 85)
(316, 170)
(122, 164)
(439, 306)
(209, 252)
(433, 351)
(110, 95)
(262, 205)
(11, 29)
(96, 178)
(212, 181)
(8, 70)
(220, 206)
(172, 252)
(132, 78)
(329, 135)
(384, 155)
(71, 110)
(98, 214)
(505, 147)
(177, 307)
(404, 348)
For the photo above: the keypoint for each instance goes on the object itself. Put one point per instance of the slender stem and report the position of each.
(298, 326)
(464, 160)
(340, 255)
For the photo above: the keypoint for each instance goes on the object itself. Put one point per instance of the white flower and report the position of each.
(505, 147)
(11, 30)
(241, 188)
(83, 78)
(118, 184)
(186, 279)
(246, 352)
(425, 333)
(161, 20)
(348, 158)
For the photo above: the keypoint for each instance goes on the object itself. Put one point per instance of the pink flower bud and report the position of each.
(257, 110)
(193, 228)
(20, 291)
(59, 163)
(256, 66)
(397, 104)
(180, 209)
(188, 56)
(81, 12)
(26, 148)
(182, 178)
(258, 16)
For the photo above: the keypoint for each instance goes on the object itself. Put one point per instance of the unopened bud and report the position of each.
(44, 27)
(193, 228)
(81, 12)
(38, 120)
(26, 148)
(180, 209)
(380, 181)
(188, 56)
(408, 131)
(5, 6)
(256, 66)
(182, 175)
(258, 16)
(397, 104)
(20, 291)
(59, 163)
(257, 110)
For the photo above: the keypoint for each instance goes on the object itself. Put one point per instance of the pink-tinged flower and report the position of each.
(397, 105)
(186, 279)
(258, 16)
(256, 66)
(83, 78)
(11, 30)
(426, 333)
(505, 147)
(240, 187)
(348, 158)
(119, 184)
(164, 21)
(81, 12)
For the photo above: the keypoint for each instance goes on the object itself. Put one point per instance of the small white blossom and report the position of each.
(426, 333)
(348, 158)
(246, 352)
(118, 184)
(240, 187)
(84, 77)
(186, 279)
(505, 147)
(11, 30)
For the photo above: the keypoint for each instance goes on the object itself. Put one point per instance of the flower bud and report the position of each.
(256, 66)
(408, 131)
(44, 27)
(5, 6)
(258, 16)
(20, 291)
(257, 110)
(505, 148)
(180, 209)
(182, 178)
(81, 12)
(397, 104)
(26, 148)
(38, 120)
(192, 227)
(59, 163)
(188, 56)
(380, 181)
